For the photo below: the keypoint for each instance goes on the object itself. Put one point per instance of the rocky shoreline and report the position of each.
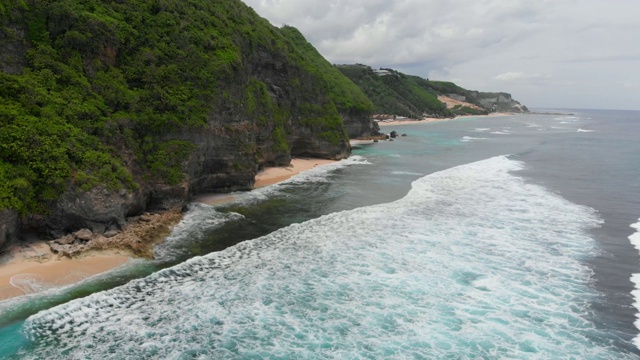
(88, 253)
(137, 238)
(34, 264)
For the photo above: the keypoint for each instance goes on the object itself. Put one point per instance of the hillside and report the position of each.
(111, 108)
(490, 101)
(393, 92)
(354, 106)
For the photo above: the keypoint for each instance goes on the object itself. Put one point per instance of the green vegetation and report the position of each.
(42, 142)
(346, 95)
(448, 88)
(102, 93)
(107, 84)
(466, 110)
(485, 100)
(325, 120)
(280, 140)
(98, 71)
(395, 93)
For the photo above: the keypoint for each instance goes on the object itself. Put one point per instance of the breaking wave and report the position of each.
(472, 263)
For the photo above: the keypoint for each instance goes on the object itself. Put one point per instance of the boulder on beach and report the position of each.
(83, 234)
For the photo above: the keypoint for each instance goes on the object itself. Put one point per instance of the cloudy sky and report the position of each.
(546, 53)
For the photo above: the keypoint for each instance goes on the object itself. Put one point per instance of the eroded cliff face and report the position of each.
(9, 226)
(500, 102)
(267, 107)
(228, 151)
(273, 111)
(98, 209)
(360, 124)
(13, 48)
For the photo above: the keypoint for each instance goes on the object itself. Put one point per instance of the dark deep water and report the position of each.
(513, 241)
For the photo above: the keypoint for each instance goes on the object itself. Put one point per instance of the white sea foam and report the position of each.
(472, 263)
(501, 133)
(635, 278)
(201, 218)
(29, 283)
(568, 118)
(470, 138)
(318, 174)
(585, 131)
(407, 173)
(321, 173)
(482, 129)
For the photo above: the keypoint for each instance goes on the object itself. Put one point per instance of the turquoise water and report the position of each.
(484, 238)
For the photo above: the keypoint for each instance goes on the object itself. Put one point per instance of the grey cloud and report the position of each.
(612, 58)
(473, 40)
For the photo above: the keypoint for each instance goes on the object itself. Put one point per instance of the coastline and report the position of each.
(32, 266)
(23, 276)
(267, 176)
(430, 120)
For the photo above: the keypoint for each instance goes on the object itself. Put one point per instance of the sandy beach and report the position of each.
(273, 175)
(32, 267)
(268, 176)
(430, 120)
(24, 274)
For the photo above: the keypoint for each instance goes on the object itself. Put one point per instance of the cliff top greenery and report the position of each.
(345, 94)
(89, 89)
(395, 92)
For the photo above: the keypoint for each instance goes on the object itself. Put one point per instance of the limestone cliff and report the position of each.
(9, 226)
(113, 108)
(352, 103)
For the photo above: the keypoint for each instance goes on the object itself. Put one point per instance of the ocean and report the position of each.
(511, 237)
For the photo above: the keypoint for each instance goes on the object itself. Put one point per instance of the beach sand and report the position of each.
(32, 267)
(430, 120)
(268, 176)
(273, 175)
(25, 275)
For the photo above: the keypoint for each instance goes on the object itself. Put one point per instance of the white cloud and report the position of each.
(590, 43)
(518, 75)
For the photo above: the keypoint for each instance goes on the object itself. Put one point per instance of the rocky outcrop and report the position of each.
(12, 49)
(138, 238)
(9, 225)
(98, 210)
(241, 136)
(359, 125)
(500, 102)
